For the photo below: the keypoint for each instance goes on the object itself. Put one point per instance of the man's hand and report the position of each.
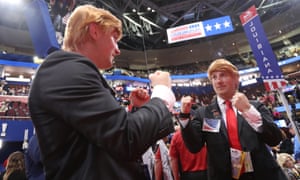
(162, 88)
(138, 97)
(186, 104)
(241, 102)
(160, 78)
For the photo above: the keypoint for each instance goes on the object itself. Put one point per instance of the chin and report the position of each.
(104, 67)
(221, 92)
(107, 65)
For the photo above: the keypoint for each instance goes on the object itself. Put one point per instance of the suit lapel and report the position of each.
(215, 112)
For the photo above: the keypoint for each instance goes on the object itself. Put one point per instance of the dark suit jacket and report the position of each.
(218, 148)
(82, 130)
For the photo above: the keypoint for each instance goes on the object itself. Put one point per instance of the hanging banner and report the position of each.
(266, 59)
(262, 50)
(200, 29)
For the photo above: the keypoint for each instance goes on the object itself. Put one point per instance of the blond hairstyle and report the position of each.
(283, 157)
(222, 65)
(15, 161)
(76, 31)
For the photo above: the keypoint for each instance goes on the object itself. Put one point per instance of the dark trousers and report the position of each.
(247, 176)
(197, 175)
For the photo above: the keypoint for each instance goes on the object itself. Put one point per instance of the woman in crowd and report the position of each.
(15, 168)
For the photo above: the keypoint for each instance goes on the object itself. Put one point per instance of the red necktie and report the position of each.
(232, 126)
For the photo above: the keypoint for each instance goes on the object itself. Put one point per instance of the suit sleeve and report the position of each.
(192, 134)
(80, 97)
(270, 134)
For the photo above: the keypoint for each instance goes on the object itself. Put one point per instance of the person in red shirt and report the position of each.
(186, 165)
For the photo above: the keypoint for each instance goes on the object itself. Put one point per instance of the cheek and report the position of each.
(232, 81)
(231, 84)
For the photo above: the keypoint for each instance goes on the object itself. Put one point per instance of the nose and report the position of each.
(118, 52)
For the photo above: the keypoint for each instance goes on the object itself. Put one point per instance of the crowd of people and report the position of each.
(82, 131)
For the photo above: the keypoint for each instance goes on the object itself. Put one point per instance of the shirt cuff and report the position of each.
(254, 119)
(166, 94)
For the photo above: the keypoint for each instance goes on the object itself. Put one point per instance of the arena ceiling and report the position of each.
(144, 44)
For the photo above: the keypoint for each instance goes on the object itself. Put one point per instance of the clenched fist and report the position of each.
(241, 102)
(186, 104)
(160, 78)
(138, 97)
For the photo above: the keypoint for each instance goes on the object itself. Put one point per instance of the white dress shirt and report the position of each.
(252, 116)
(166, 94)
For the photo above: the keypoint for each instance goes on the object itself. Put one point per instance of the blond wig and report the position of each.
(222, 65)
(77, 26)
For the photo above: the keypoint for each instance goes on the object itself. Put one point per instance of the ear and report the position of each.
(94, 30)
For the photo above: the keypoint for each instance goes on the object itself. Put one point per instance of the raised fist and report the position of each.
(160, 78)
(138, 97)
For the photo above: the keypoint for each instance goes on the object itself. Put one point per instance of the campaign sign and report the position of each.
(262, 50)
(200, 29)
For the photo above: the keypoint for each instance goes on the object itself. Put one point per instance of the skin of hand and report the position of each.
(186, 104)
(241, 102)
(138, 97)
(160, 78)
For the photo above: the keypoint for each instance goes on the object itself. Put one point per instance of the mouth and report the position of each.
(220, 87)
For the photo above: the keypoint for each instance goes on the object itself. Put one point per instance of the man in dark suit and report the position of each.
(236, 150)
(83, 132)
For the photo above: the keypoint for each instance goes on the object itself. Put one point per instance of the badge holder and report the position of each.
(239, 160)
